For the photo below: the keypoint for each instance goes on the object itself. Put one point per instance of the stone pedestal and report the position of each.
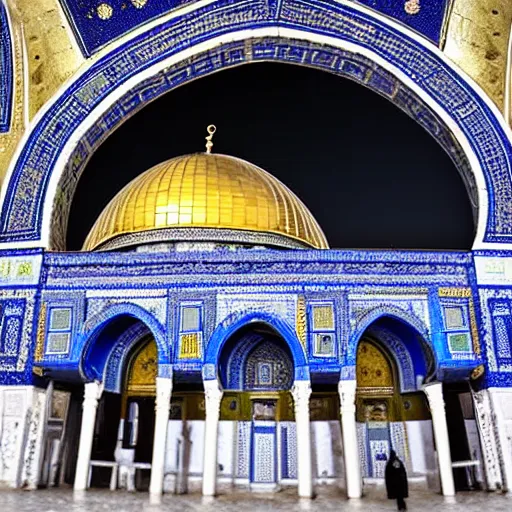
(347, 392)
(435, 398)
(301, 392)
(162, 407)
(213, 396)
(92, 394)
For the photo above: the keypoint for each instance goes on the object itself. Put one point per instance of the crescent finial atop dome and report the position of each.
(205, 197)
(209, 142)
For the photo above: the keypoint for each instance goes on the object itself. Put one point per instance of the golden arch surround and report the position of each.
(142, 369)
(68, 170)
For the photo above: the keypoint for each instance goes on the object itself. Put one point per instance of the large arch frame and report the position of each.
(218, 34)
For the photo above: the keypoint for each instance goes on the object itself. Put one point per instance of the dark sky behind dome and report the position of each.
(371, 176)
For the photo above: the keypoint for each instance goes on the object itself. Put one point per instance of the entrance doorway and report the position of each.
(138, 413)
(263, 473)
(257, 373)
(388, 419)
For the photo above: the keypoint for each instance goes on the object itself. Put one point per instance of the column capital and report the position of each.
(93, 389)
(347, 392)
(434, 393)
(92, 392)
(301, 391)
(212, 394)
(163, 392)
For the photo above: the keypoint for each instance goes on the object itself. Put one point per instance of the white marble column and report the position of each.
(212, 396)
(162, 407)
(301, 392)
(488, 439)
(92, 394)
(347, 392)
(501, 400)
(435, 398)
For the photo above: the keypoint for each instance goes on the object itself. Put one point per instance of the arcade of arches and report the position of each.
(256, 407)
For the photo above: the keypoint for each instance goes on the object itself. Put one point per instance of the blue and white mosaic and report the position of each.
(6, 71)
(98, 23)
(26, 193)
(425, 16)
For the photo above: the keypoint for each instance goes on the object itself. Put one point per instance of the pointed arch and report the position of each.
(234, 322)
(94, 358)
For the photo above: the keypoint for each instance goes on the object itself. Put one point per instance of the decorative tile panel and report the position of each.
(58, 342)
(243, 447)
(16, 343)
(264, 457)
(398, 435)
(459, 342)
(97, 24)
(60, 319)
(20, 270)
(424, 16)
(283, 306)
(156, 306)
(454, 316)
(323, 317)
(379, 453)
(362, 440)
(190, 345)
(25, 193)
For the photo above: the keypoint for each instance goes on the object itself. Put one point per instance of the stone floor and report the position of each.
(328, 499)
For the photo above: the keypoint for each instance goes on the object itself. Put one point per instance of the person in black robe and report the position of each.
(396, 481)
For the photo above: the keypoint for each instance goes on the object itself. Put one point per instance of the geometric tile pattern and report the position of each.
(25, 193)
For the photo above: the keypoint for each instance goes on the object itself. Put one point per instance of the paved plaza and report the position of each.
(286, 501)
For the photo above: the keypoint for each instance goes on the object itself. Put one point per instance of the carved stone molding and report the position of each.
(301, 391)
(487, 430)
(92, 393)
(163, 393)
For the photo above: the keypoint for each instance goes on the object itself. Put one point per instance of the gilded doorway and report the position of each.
(382, 411)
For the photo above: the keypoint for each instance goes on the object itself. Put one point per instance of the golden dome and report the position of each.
(207, 197)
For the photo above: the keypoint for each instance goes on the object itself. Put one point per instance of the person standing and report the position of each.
(396, 481)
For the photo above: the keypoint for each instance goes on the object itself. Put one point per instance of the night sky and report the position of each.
(371, 176)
